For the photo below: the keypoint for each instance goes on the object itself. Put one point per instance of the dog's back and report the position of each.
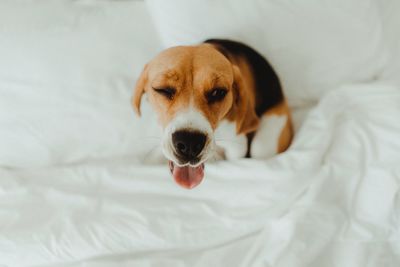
(269, 98)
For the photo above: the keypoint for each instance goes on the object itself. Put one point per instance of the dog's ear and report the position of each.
(139, 90)
(243, 108)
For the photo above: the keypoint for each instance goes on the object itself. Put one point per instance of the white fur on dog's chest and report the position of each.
(266, 140)
(264, 144)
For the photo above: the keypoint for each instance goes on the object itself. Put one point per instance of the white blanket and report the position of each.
(332, 200)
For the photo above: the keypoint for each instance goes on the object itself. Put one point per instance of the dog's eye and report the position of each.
(216, 94)
(167, 92)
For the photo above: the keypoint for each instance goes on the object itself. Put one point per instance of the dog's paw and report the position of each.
(218, 155)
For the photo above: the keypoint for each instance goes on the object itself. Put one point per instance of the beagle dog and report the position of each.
(218, 99)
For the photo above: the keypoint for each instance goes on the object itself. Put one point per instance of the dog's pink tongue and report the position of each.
(187, 176)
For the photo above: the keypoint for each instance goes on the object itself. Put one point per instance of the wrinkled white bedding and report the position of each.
(332, 200)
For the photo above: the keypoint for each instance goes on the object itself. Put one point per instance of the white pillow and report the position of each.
(391, 26)
(67, 72)
(314, 45)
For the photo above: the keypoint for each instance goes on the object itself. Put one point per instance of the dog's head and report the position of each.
(192, 89)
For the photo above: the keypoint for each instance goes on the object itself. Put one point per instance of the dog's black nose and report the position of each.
(188, 144)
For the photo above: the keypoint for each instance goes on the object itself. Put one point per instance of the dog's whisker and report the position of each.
(148, 140)
(147, 155)
(228, 141)
(149, 137)
(224, 139)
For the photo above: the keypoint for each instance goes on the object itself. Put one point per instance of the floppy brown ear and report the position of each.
(244, 109)
(139, 90)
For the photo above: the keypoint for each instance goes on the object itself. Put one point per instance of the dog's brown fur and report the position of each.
(193, 71)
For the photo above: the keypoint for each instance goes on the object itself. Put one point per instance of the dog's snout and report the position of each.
(188, 145)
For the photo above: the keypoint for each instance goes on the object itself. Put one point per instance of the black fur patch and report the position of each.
(267, 86)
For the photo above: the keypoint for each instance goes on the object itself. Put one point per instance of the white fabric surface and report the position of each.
(390, 10)
(67, 72)
(315, 46)
(331, 200)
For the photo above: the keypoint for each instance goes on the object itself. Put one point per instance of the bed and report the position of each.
(74, 190)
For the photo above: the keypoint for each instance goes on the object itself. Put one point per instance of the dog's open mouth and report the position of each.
(187, 176)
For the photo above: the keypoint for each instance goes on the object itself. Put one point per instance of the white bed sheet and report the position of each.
(331, 200)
